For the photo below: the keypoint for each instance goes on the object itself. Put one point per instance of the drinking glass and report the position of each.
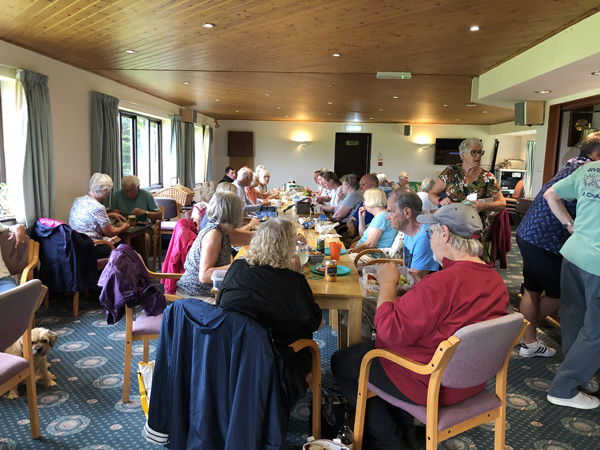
(302, 252)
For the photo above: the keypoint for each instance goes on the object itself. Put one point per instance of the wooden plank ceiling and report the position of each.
(272, 60)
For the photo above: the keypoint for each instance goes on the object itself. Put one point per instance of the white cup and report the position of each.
(277, 203)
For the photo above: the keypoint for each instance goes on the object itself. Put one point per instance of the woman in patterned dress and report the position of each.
(459, 181)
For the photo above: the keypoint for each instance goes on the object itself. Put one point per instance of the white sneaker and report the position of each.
(535, 349)
(591, 387)
(580, 401)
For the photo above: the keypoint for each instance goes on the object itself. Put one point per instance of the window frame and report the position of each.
(134, 117)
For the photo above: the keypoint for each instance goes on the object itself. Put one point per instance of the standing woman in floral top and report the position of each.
(458, 181)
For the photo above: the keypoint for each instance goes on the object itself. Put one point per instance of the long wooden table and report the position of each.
(343, 294)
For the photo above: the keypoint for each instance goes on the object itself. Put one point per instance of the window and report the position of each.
(200, 157)
(141, 148)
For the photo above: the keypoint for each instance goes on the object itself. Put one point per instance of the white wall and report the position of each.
(70, 100)
(273, 147)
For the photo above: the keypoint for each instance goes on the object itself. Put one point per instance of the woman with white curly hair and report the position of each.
(267, 284)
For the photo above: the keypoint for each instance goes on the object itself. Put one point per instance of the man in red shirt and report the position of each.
(467, 290)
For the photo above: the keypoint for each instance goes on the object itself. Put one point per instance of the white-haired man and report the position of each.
(244, 178)
(467, 290)
(131, 200)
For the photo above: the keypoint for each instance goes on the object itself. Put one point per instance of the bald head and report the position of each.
(368, 181)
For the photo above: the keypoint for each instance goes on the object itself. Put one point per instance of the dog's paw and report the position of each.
(52, 376)
(49, 383)
(12, 394)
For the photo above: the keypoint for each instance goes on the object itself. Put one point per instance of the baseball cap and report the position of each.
(461, 219)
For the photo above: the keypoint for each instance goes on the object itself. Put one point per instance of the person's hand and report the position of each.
(361, 212)
(254, 222)
(445, 201)
(18, 234)
(265, 202)
(388, 273)
(480, 206)
(138, 212)
(117, 216)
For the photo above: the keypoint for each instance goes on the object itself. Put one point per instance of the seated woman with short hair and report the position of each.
(211, 250)
(267, 284)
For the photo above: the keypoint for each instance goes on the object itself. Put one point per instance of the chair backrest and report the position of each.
(482, 351)
(518, 192)
(169, 205)
(16, 259)
(16, 308)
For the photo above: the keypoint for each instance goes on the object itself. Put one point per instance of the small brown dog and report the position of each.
(42, 340)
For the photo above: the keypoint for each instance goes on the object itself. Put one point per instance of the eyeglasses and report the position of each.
(429, 232)
(477, 152)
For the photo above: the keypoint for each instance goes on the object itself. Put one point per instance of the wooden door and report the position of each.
(352, 154)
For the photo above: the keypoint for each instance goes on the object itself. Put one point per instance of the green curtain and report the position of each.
(177, 144)
(106, 153)
(208, 148)
(38, 170)
(188, 176)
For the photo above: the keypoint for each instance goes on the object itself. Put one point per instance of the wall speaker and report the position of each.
(188, 115)
(407, 130)
(529, 113)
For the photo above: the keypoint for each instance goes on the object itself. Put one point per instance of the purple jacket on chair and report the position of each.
(125, 281)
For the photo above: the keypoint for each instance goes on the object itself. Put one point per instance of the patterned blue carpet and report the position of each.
(85, 411)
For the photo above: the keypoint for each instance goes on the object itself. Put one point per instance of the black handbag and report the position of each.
(333, 407)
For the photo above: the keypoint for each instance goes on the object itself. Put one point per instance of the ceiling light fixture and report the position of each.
(394, 75)
(208, 25)
(543, 91)
(337, 55)
(217, 99)
(470, 105)
(267, 95)
(597, 72)
(130, 51)
(474, 28)
(444, 105)
(186, 82)
(395, 96)
(330, 103)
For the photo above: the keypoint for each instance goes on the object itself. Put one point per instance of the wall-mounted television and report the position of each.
(446, 151)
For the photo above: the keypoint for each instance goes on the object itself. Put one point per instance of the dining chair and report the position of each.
(17, 309)
(144, 328)
(171, 210)
(512, 203)
(473, 355)
(21, 260)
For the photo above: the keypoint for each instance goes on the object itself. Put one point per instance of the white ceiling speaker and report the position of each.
(394, 75)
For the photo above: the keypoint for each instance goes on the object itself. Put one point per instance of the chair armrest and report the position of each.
(103, 242)
(165, 276)
(354, 242)
(27, 273)
(172, 297)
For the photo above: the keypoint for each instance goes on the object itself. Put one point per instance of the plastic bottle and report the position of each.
(345, 433)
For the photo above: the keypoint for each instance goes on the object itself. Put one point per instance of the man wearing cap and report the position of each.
(467, 290)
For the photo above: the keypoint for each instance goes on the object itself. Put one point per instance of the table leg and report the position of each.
(354, 320)
(333, 319)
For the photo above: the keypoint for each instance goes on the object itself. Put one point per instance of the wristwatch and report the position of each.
(568, 224)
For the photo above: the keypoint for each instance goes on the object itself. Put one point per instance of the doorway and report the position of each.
(352, 154)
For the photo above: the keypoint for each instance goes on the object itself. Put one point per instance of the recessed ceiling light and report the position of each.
(474, 28)
(328, 114)
(485, 112)
(370, 118)
(129, 51)
(267, 95)
(380, 109)
(217, 99)
(330, 103)
(186, 82)
(458, 120)
(597, 72)
(470, 105)
(444, 105)
(543, 91)
(237, 110)
(279, 107)
(395, 96)
(208, 25)
(332, 85)
(337, 54)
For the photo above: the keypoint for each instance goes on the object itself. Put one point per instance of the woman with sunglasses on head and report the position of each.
(458, 181)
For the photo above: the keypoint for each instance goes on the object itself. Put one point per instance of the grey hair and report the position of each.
(273, 244)
(226, 207)
(465, 146)
(407, 198)
(207, 190)
(591, 144)
(472, 247)
(351, 180)
(130, 180)
(244, 172)
(403, 175)
(226, 187)
(100, 183)
(427, 184)
(381, 177)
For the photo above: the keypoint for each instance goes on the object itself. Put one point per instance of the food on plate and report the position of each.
(321, 269)
(402, 281)
(315, 253)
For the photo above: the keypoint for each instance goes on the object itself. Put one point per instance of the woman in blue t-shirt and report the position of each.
(379, 233)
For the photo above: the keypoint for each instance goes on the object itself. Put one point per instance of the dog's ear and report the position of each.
(52, 337)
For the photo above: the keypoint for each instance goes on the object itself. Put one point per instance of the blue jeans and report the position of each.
(579, 319)
(7, 283)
